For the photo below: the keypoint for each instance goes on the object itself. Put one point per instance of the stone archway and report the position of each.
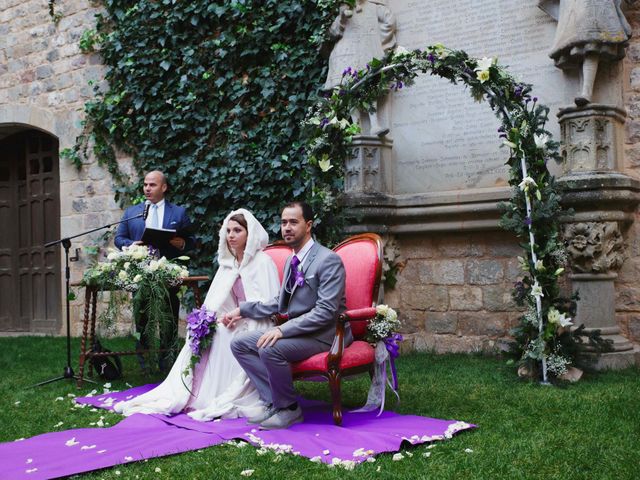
(30, 295)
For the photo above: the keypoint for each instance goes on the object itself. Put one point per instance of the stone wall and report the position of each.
(454, 292)
(44, 83)
(628, 282)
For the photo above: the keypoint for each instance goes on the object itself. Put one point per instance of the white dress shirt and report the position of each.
(160, 207)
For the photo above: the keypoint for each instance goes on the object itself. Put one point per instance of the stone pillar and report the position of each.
(591, 138)
(369, 170)
(604, 201)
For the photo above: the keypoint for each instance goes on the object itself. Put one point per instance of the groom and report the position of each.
(312, 297)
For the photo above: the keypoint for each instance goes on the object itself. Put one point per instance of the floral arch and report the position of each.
(544, 341)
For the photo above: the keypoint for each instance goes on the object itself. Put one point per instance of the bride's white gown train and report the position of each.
(219, 387)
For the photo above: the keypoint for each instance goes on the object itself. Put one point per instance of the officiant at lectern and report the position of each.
(164, 215)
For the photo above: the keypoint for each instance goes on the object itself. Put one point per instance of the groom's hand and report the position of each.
(269, 338)
(230, 318)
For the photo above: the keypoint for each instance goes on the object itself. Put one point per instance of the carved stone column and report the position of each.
(597, 252)
(368, 170)
(604, 201)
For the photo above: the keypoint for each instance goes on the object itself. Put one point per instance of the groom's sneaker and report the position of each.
(283, 418)
(262, 416)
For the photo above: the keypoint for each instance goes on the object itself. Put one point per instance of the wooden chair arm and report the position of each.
(360, 314)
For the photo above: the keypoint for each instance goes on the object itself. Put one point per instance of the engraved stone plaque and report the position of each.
(443, 139)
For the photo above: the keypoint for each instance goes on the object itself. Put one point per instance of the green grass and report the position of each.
(589, 430)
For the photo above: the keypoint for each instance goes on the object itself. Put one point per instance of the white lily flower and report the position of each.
(509, 144)
(325, 165)
(541, 140)
(526, 183)
(540, 265)
(557, 318)
(536, 290)
(485, 63)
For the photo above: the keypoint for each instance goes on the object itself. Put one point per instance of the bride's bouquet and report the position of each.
(201, 325)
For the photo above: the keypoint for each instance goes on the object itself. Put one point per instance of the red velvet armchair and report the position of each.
(362, 257)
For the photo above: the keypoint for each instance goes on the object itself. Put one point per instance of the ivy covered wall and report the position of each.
(214, 94)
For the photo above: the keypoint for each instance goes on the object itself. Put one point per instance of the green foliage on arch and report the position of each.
(543, 335)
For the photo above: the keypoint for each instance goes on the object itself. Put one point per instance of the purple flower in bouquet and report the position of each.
(201, 325)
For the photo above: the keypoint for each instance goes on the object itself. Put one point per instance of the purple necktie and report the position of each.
(294, 274)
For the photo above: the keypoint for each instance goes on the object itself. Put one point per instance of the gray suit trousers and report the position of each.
(269, 368)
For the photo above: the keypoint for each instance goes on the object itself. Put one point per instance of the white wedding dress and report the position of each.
(219, 386)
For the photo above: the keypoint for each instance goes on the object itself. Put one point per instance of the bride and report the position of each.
(219, 387)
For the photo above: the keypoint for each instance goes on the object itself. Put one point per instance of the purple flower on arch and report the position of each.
(527, 221)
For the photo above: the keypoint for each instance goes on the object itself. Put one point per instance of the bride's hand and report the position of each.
(230, 318)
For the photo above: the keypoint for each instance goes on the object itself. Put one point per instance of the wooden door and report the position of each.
(30, 275)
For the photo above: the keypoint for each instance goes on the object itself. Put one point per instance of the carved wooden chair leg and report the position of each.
(336, 397)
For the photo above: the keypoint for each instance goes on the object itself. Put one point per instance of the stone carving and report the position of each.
(589, 32)
(360, 34)
(368, 170)
(594, 247)
(591, 138)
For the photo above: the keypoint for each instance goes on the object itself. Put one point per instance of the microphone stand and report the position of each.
(66, 244)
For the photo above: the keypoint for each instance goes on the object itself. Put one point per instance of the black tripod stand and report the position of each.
(66, 244)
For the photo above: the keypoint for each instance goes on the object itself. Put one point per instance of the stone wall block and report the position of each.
(633, 327)
(485, 272)
(417, 247)
(441, 323)
(412, 320)
(482, 323)
(429, 297)
(630, 271)
(454, 246)
(43, 71)
(442, 272)
(501, 246)
(628, 299)
(497, 298)
(465, 298)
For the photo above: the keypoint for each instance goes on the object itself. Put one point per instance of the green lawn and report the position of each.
(590, 430)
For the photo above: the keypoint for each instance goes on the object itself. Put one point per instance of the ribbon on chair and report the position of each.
(386, 350)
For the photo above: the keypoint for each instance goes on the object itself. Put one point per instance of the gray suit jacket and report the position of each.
(314, 307)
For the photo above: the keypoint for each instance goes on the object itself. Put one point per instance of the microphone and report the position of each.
(147, 206)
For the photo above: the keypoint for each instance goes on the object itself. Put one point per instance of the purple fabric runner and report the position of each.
(139, 436)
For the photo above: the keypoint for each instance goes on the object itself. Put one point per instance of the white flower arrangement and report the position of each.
(129, 268)
(383, 325)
